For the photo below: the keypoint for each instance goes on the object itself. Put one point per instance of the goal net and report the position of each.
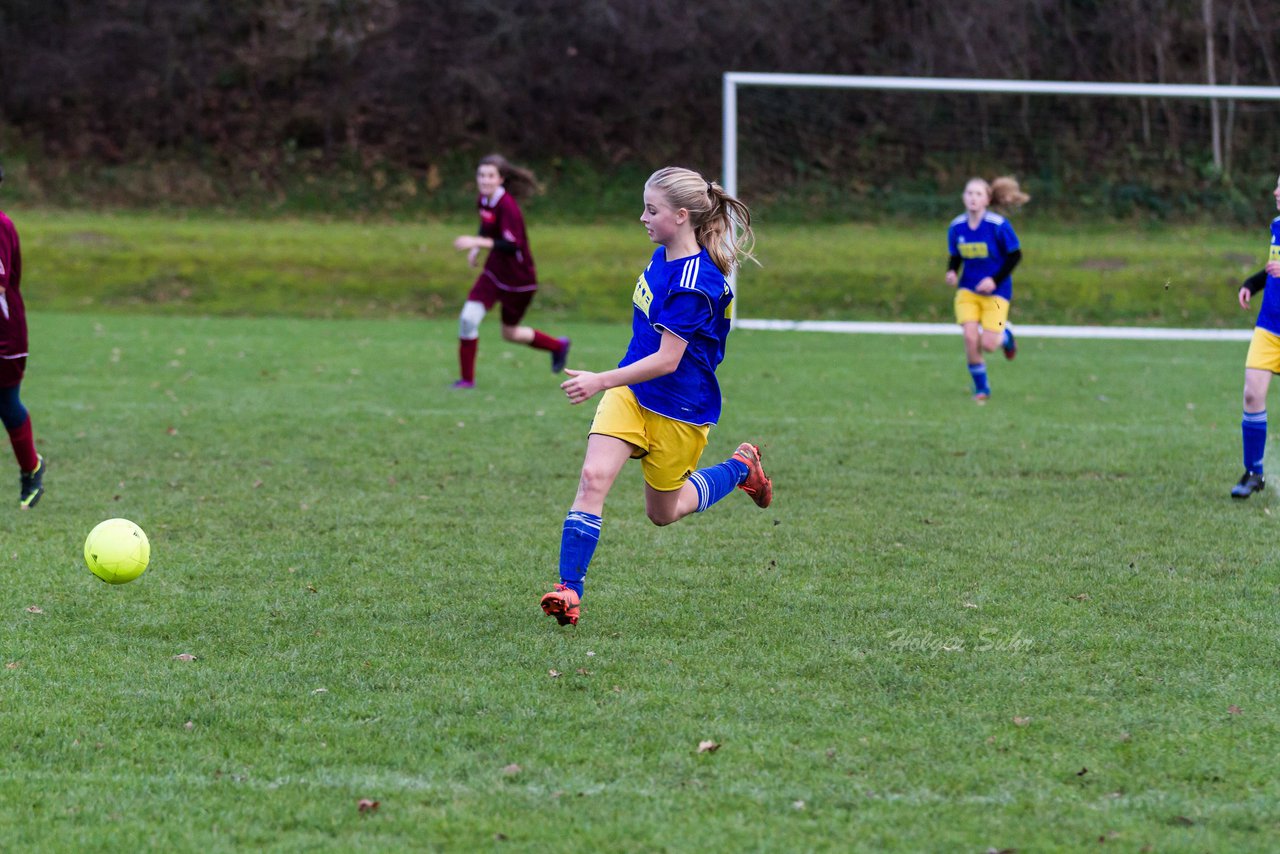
(896, 149)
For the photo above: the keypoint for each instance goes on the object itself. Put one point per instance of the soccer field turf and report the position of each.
(1034, 624)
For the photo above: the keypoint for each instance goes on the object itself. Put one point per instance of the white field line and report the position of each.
(1127, 333)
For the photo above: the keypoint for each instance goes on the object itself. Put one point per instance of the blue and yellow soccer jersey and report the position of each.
(690, 298)
(983, 250)
(1269, 314)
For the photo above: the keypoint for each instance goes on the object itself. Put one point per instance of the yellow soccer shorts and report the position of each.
(991, 312)
(1264, 351)
(668, 449)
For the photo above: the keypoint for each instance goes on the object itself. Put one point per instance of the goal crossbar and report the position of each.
(735, 79)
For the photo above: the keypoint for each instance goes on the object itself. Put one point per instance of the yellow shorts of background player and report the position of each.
(1264, 351)
(991, 312)
(668, 450)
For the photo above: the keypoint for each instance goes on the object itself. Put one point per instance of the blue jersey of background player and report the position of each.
(983, 252)
(660, 402)
(690, 298)
(1261, 363)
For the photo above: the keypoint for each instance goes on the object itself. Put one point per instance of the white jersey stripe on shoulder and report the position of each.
(993, 217)
(959, 219)
(689, 278)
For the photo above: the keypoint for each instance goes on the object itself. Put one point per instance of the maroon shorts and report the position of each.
(514, 303)
(11, 371)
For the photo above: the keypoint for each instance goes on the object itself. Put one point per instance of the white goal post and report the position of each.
(733, 80)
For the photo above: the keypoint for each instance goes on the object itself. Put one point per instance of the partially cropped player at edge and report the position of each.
(1262, 361)
(661, 400)
(13, 363)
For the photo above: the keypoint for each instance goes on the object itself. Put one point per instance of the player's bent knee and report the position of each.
(509, 333)
(662, 517)
(469, 320)
(594, 483)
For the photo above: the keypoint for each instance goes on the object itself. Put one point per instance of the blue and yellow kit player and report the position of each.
(661, 401)
(1261, 363)
(984, 250)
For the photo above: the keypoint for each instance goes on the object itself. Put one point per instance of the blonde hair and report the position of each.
(1003, 192)
(517, 180)
(721, 223)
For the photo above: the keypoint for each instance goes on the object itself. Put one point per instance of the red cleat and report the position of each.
(757, 484)
(562, 603)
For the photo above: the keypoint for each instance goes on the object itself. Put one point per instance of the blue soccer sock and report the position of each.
(979, 374)
(577, 545)
(718, 481)
(1253, 432)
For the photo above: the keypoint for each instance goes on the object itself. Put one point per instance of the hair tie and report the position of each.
(708, 188)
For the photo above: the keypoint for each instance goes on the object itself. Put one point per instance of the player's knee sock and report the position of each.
(24, 446)
(543, 341)
(717, 481)
(1253, 431)
(577, 545)
(18, 424)
(467, 357)
(979, 374)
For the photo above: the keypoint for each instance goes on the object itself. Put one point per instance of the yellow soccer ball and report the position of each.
(117, 551)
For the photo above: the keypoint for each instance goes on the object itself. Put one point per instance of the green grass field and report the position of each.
(1036, 625)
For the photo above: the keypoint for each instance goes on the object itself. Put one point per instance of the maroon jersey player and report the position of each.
(13, 363)
(509, 276)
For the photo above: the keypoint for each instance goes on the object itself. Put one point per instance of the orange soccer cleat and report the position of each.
(757, 484)
(562, 603)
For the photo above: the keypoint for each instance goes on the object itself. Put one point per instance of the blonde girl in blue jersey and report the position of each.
(660, 402)
(1261, 363)
(984, 250)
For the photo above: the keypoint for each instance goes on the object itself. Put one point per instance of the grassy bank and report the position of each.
(215, 265)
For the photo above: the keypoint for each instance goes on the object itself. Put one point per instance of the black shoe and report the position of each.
(1250, 483)
(32, 485)
(560, 358)
(1009, 344)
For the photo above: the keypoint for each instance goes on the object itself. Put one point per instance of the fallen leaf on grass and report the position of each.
(799, 805)
(1017, 721)
(189, 725)
(708, 746)
(184, 656)
(511, 770)
(554, 674)
(582, 671)
(13, 665)
(1081, 597)
(1234, 710)
(1181, 820)
(320, 691)
(34, 609)
(1082, 772)
(366, 805)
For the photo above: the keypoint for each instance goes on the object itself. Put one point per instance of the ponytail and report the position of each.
(721, 223)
